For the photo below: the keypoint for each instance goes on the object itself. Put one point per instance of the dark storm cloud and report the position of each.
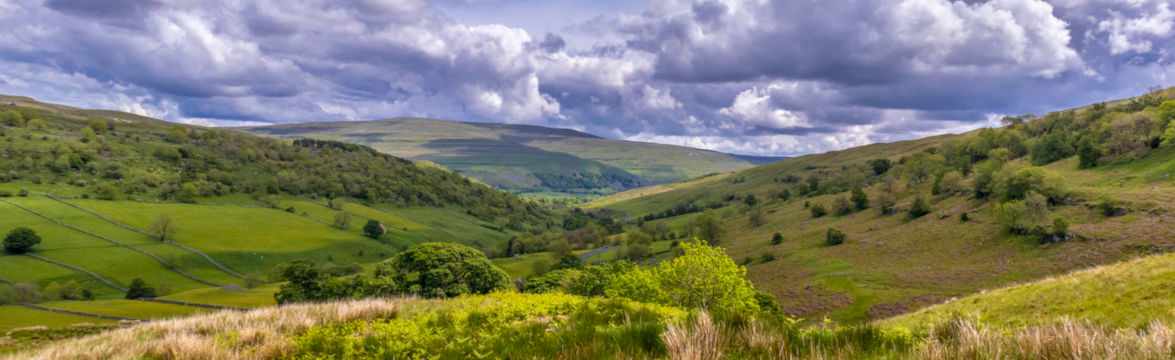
(748, 76)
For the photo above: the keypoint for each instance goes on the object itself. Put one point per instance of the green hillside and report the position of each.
(93, 185)
(1105, 171)
(1129, 295)
(522, 158)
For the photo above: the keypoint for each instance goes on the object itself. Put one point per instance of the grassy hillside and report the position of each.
(92, 183)
(1128, 295)
(523, 159)
(1116, 203)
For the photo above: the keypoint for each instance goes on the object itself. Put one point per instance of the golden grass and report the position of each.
(259, 334)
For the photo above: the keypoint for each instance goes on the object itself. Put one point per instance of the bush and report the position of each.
(841, 206)
(1107, 207)
(835, 237)
(776, 239)
(139, 289)
(1035, 179)
(919, 209)
(442, 270)
(21, 240)
(767, 257)
(860, 200)
(818, 210)
(964, 217)
(373, 229)
(1020, 216)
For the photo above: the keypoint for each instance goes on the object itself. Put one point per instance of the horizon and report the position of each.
(799, 79)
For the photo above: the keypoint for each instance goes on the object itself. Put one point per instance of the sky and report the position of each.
(754, 77)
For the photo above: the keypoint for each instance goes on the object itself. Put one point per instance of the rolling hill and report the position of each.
(524, 158)
(93, 184)
(1102, 169)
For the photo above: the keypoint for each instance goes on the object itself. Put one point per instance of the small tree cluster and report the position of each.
(834, 237)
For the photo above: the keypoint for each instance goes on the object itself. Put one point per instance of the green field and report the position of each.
(127, 308)
(19, 317)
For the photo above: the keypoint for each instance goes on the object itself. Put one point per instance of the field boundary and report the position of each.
(131, 228)
(75, 268)
(169, 266)
(206, 306)
(79, 313)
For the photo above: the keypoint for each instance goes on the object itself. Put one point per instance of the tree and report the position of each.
(818, 210)
(13, 118)
(952, 183)
(834, 237)
(139, 289)
(756, 217)
(1089, 151)
(750, 200)
(918, 209)
(1169, 135)
(841, 206)
(776, 239)
(1019, 216)
(21, 240)
(703, 277)
(343, 220)
(1050, 148)
(336, 203)
(163, 227)
(438, 270)
(1035, 179)
(710, 227)
(880, 166)
(860, 200)
(373, 229)
(88, 135)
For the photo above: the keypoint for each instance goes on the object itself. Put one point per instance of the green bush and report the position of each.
(442, 270)
(835, 237)
(841, 206)
(860, 199)
(139, 289)
(21, 240)
(818, 210)
(919, 209)
(776, 239)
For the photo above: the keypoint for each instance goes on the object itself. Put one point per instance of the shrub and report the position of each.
(442, 270)
(860, 200)
(1107, 207)
(139, 289)
(776, 239)
(1019, 216)
(767, 257)
(21, 240)
(919, 209)
(342, 220)
(1034, 179)
(841, 206)
(835, 237)
(964, 217)
(818, 210)
(163, 227)
(373, 229)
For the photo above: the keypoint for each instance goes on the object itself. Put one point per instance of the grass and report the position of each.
(260, 296)
(506, 325)
(1128, 295)
(891, 265)
(247, 239)
(19, 317)
(127, 308)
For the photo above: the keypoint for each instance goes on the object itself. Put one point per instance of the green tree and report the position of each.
(776, 239)
(1050, 148)
(711, 227)
(88, 135)
(442, 270)
(703, 277)
(834, 237)
(21, 240)
(860, 200)
(342, 220)
(595, 278)
(1089, 151)
(750, 200)
(1019, 216)
(818, 210)
(1035, 179)
(163, 227)
(841, 206)
(139, 289)
(12, 118)
(880, 166)
(373, 229)
(919, 209)
(1169, 135)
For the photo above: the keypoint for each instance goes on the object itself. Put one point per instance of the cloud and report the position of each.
(747, 76)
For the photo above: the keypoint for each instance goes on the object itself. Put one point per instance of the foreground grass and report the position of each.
(506, 325)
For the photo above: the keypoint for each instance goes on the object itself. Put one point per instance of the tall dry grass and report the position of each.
(957, 339)
(258, 334)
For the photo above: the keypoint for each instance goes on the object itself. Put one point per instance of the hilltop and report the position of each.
(524, 158)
